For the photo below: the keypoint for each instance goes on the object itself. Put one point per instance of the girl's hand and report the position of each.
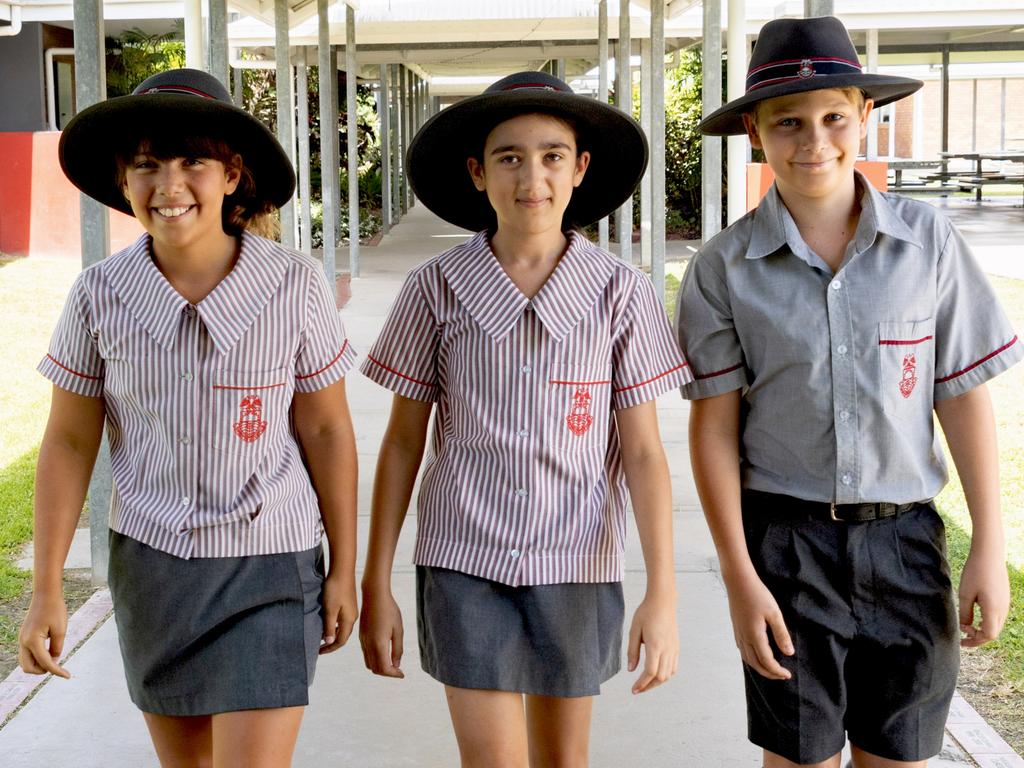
(754, 611)
(654, 627)
(340, 610)
(985, 583)
(47, 620)
(381, 633)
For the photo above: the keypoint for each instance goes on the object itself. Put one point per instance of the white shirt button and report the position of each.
(186, 440)
(526, 369)
(836, 285)
(847, 478)
(514, 553)
(185, 501)
(187, 376)
(844, 415)
(523, 433)
(521, 493)
(841, 349)
(190, 311)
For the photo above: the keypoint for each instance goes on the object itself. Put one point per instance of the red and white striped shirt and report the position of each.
(524, 482)
(197, 397)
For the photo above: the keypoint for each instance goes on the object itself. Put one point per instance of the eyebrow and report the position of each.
(545, 145)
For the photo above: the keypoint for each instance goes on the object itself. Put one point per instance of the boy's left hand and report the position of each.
(654, 627)
(985, 583)
(340, 610)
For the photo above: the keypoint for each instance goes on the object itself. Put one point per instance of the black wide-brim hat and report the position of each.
(798, 55)
(438, 152)
(186, 100)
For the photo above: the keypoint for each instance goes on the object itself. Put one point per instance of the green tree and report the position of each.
(135, 55)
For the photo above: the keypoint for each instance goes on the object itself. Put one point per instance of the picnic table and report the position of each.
(981, 177)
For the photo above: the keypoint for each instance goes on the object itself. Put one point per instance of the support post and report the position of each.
(736, 67)
(219, 41)
(645, 124)
(193, 12)
(328, 157)
(352, 83)
(711, 99)
(602, 92)
(384, 117)
(624, 101)
(398, 159)
(813, 8)
(305, 187)
(285, 113)
(239, 92)
(657, 96)
(871, 148)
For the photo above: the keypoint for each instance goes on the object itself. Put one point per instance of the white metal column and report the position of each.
(219, 40)
(645, 124)
(872, 62)
(194, 34)
(624, 101)
(736, 67)
(657, 97)
(351, 83)
(384, 116)
(285, 113)
(711, 99)
(328, 157)
(602, 92)
(305, 187)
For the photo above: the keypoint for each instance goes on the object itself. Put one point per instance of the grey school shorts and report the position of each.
(217, 634)
(551, 640)
(870, 610)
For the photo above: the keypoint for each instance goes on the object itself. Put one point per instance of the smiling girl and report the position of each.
(216, 359)
(543, 355)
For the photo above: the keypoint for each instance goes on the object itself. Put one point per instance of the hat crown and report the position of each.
(190, 82)
(529, 80)
(801, 48)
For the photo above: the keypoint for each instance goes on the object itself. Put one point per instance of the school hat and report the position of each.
(798, 55)
(187, 100)
(438, 152)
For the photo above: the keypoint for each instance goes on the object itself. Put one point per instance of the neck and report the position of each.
(195, 271)
(826, 224)
(528, 249)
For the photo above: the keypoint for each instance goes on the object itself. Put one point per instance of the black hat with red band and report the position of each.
(798, 55)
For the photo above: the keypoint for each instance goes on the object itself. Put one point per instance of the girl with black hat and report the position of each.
(543, 355)
(216, 359)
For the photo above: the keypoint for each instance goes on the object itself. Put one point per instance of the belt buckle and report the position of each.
(832, 513)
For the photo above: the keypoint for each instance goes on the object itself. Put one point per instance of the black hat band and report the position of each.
(776, 72)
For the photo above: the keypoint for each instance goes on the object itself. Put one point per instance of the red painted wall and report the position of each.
(39, 207)
(760, 178)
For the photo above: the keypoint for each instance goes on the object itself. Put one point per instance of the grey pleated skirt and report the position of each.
(211, 635)
(551, 640)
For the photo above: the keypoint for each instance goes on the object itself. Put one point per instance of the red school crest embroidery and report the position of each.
(579, 419)
(250, 425)
(806, 69)
(909, 379)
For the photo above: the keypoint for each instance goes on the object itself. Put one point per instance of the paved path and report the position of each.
(361, 721)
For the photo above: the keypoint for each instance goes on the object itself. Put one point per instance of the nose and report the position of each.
(813, 136)
(530, 174)
(170, 178)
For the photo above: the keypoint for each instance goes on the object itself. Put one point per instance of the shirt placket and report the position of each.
(524, 410)
(188, 405)
(844, 390)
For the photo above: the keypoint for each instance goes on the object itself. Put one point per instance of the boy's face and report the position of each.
(179, 200)
(810, 140)
(529, 170)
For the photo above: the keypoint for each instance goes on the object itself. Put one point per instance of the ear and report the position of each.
(476, 172)
(233, 174)
(751, 125)
(869, 104)
(582, 163)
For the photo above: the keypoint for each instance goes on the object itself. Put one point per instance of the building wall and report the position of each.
(975, 116)
(22, 87)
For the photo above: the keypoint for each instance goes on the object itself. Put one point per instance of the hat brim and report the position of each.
(91, 140)
(438, 153)
(882, 89)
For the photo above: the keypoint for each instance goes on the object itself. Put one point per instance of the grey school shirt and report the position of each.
(840, 371)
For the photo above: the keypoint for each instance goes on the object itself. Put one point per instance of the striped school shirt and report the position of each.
(523, 483)
(197, 397)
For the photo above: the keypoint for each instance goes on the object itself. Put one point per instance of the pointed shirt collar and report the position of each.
(227, 311)
(487, 292)
(773, 226)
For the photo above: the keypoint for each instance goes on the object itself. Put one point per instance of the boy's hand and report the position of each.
(985, 583)
(47, 620)
(340, 610)
(654, 627)
(381, 633)
(754, 611)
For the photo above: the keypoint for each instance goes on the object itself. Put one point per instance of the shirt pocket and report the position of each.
(579, 407)
(250, 411)
(906, 367)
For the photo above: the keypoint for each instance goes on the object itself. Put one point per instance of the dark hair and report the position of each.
(243, 209)
(483, 129)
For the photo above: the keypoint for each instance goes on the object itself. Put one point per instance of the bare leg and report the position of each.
(490, 727)
(559, 731)
(862, 759)
(771, 760)
(181, 742)
(256, 738)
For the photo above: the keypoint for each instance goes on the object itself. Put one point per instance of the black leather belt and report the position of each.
(787, 506)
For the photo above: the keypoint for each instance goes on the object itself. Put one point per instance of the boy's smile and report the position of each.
(810, 140)
(529, 170)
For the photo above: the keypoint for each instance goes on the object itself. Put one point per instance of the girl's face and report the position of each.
(179, 200)
(530, 167)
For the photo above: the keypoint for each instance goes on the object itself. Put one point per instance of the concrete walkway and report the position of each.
(357, 720)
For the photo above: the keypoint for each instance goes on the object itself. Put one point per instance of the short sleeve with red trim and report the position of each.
(646, 360)
(73, 361)
(706, 332)
(974, 341)
(325, 354)
(404, 357)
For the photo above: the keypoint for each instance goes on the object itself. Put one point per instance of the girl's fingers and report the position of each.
(633, 649)
(397, 640)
